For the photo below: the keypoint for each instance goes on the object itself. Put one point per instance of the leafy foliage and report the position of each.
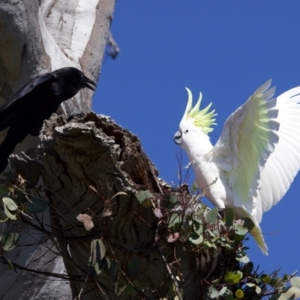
(216, 243)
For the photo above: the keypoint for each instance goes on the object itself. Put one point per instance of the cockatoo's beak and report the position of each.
(177, 138)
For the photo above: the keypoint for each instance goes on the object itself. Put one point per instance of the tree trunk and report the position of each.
(38, 37)
(112, 230)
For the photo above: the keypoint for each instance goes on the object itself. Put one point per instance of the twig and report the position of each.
(169, 271)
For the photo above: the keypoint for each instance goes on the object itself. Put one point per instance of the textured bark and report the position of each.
(37, 37)
(41, 36)
(90, 167)
(86, 166)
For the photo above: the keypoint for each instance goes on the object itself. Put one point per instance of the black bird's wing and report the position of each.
(25, 98)
(41, 81)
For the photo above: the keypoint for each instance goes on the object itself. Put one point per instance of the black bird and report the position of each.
(35, 102)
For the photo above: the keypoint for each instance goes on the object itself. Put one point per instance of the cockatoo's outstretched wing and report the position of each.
(284, 163)
(259, 149)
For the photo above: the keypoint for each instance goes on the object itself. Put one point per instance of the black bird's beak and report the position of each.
(90, 84)
(177, 138)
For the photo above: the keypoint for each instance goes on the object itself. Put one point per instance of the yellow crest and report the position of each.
(201, 118)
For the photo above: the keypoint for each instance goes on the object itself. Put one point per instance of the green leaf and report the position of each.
(229, 217)
(174, 220)
(295, 281)
(98, 251)
(196, 238)
(223, 290)
(248, 268)
(249, 224)
(198, 227)
(243, 259)
(240, 229)
(265, 278)
(257, 289)
(3, 217)
(276, 282)
(10, 240)
(10, 204)
(228, 295)
(134, 265)
(10, 265)
(185, 231)
(239, 294)
(212, 215)
(21, 197)
(4, 190)
(172, 201)
(209, 244)
(120, 290)
(233, 277)
(36, 205)
(143, 195)
(213, 292)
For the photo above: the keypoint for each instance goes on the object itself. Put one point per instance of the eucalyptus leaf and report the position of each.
(265, 278)
(174, 220)
(4, 190)
(10, 240)
(196, 238)
(240, 229)
(223, 290)
(243, 259)
(134, 265)
(143, 195)
(98, 252)
(120, 290)
(228, 295)
(233, 277)
(229, 217)
(10, 204)
(209, 244)
(170, 201)
(257, 289)
(212, 215)
(3, 217)
(213, 293)
(36, 205)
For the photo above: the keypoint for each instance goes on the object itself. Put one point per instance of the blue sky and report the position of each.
(226, 50)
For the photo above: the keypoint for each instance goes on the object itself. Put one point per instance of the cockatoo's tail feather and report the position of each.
(201, 118)
(255, 232)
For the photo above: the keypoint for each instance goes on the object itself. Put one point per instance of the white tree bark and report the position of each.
(39, 36)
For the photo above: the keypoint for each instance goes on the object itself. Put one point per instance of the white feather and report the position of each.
(256, 157)
(284, 163)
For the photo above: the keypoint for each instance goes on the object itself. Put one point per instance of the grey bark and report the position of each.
(38, 37)
(91, 167)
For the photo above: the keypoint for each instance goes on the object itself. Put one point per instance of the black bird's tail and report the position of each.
(14, 136)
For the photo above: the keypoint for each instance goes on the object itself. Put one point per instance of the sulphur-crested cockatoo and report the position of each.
(256, 157)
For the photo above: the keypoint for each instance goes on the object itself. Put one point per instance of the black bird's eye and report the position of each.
(186, 131)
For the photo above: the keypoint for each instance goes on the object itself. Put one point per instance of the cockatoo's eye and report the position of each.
(186, 131)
